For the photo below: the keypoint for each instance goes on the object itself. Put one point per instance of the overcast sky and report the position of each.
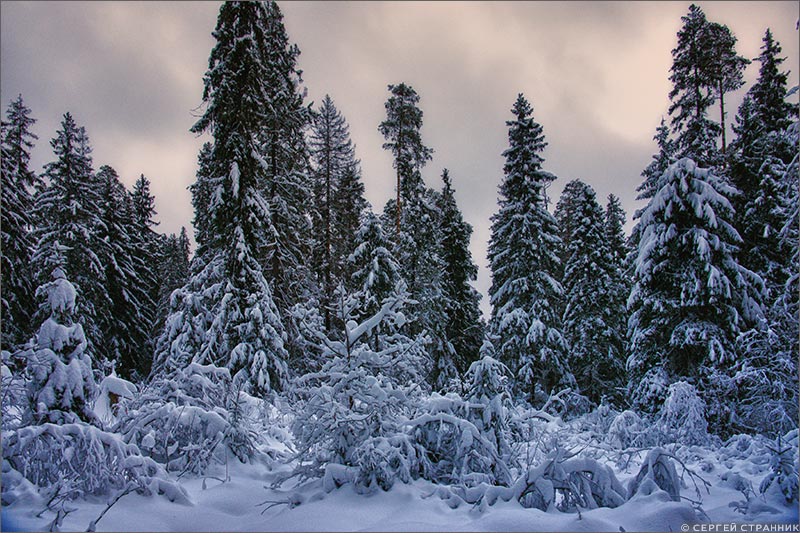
(595, 72)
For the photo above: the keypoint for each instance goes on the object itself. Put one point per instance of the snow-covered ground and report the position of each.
(247, 503)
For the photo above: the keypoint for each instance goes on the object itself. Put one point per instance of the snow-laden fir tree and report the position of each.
(69, 212)
(338, 200)
(16, 224)
(693, 92)
(201, 191)
(125, 338)
(592, 297)
(351, 412)
(60, 385)
(414, 218)
(767, 371)
(655, 169)
(282, 150)
(690, 295)
(615, 230)
(375, 270)
(402, 132)
(725, 71)
(173, 269)
(464, 330)
(147, 245)
(523, 255)
(759, 159)
(770, 90)
(245, 333)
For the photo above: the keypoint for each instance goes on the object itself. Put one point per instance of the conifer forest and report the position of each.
(296, 358)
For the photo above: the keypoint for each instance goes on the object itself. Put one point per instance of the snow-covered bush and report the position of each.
(383, 460)
(626, 430)
(458, 450)
(682, 417)
(111, 400)
(91, 461)
(783, 477)
(181, 419)
(363, 393)
(488, 394)
(657, 472)
(570, 484)
(557, 484)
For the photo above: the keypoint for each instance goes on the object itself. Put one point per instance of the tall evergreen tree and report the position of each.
(523, 254)
(415, 221)
(764, 167)
(593, 305)
(201, 191)
(690, 294)
(16, 224)
(401, 130)
(245, 332)
(147, 254)
(334, 165)
(126, 335)
(761, 155)
(283, 154)
(691, 96)
(615, 230)
(660, 162)
(725, 72)
(464, 330)
(60, 384)
(69, 212)
(769, 91)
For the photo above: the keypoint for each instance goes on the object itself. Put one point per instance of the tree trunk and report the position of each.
(722, 114)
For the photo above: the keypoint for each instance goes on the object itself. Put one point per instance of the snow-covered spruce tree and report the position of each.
(760, 156)
(338, 200)
(246, 332)
(725, 73)
(592, 297)
(284, 180)
(690, 295)
(351, 412)
(693, 90)
(767, 372)
(173, 269)
(16, 246)
(770, 90)
(464, 329)
(403, 140)
(147, 245)
(61, 447)
(69, 212)
(414, 219)
(489, 398)
(523, 257)
(60, 382)
(615, 230)
(376, 273)
(125, 338)
(647, 189)
(762, 160)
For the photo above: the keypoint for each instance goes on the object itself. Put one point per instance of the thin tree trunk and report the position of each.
(722, 114)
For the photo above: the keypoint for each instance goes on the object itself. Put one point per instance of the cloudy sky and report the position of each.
(595, 72)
